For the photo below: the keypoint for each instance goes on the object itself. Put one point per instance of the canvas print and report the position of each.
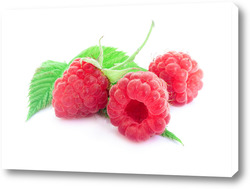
(149, 92)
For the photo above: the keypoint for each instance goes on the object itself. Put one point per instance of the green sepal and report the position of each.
(92, 61)
(115, 75)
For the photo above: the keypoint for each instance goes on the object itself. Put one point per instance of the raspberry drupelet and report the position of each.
(138, 105)
(182, 75)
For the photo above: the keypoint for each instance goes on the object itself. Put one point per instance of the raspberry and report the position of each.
(138, 105)
(82, 91)
(182, 75)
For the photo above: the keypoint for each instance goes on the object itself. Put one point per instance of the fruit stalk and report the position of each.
(132, 57)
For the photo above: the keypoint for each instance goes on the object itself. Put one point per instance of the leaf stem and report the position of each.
(100, 57)
(132, 57)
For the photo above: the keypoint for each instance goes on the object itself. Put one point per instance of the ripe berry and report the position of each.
(182, 75)
(138, 105)
(82, 91)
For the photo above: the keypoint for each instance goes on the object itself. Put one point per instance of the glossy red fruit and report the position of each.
(82, 91)
(182, 75)
(138, 105)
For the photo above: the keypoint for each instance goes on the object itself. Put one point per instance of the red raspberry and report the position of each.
(182, 75)
(82, 91)
(138, 105)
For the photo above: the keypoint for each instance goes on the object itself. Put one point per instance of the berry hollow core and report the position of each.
(138, 105)
(136, 110)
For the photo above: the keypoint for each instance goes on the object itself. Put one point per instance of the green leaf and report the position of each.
(171, 135)
(111, 56)
(42, 85)
(104, 112)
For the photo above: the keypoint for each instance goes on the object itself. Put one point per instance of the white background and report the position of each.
(70, 179)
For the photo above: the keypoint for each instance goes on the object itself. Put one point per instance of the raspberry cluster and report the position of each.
(82, 91)
(138, 102)
(182, 75)
(138, 105)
